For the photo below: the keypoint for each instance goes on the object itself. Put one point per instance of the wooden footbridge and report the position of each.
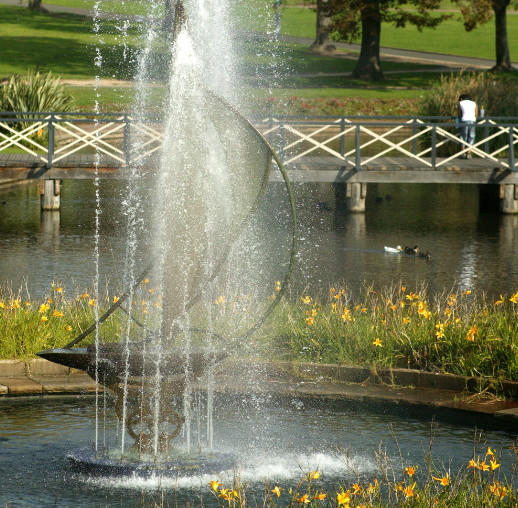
(353, 150)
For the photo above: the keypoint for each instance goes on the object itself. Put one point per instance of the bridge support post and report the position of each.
(50, 194)
(355, 197)
(509, 199)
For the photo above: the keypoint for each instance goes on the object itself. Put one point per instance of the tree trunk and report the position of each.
(168, 23)
(35, 5)
(325, 11)
(369, 66)
(503, 57)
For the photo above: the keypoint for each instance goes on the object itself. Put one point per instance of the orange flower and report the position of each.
(320, 495)
(410, 471)
(377, 343)
(304, 499)
(445, 480)
(409, 491)
(277, 491)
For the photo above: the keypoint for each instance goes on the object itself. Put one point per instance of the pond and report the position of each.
(471, 248)
(278, 442)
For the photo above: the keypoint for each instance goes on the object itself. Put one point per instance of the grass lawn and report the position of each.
(61, 43)
(66, 45)
(449, 37)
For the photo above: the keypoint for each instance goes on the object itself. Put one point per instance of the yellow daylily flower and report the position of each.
(343, 498)
(445, 480)
(57, 313)
(377, 343)
(410, 470)
(320, 495)
(44, 308)
(304, 499)
(409, 491)
(215, 484)
(277, 491)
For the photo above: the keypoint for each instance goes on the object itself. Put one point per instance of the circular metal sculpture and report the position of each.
(126, 369)
(131, 369)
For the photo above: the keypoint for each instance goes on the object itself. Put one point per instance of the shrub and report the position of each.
(34, 93)
(498, 94)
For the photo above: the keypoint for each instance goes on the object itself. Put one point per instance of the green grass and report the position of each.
(61, 43)
(67, 45)
(448, 38)
(137, 8)
(453, 333)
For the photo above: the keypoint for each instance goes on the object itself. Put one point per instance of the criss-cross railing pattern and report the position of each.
(50, 138)
(360, 142)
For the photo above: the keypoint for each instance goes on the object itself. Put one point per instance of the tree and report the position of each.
(479, 12)
(364, 17)
(35, 5)
(168, 23)
(325, 11)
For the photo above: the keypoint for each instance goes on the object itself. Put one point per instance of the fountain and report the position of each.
(212, 175)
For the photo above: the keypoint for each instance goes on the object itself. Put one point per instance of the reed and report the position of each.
(497, 93)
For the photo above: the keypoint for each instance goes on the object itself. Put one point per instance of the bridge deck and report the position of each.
(305, 169)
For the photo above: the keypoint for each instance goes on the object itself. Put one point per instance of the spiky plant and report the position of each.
(34, 93)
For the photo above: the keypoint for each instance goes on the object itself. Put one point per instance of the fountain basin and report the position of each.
(84, 461)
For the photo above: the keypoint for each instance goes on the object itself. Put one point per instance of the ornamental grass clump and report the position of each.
(33, 93)
(496, 93)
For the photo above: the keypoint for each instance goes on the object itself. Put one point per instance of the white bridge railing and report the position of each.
(359, 142)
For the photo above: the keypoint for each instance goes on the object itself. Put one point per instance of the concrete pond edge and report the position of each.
(389, 387)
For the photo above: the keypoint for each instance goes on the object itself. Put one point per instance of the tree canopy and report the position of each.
(362, 18)
(479, 12)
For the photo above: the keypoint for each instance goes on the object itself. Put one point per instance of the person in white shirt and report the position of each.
(467, 111)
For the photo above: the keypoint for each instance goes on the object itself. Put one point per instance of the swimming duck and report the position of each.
(395, 250)
(426, 255)
(412, 250)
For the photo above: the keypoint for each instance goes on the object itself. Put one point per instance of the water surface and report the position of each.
(470, 248)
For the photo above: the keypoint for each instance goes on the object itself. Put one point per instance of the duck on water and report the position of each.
(411, 251)
(414, 251)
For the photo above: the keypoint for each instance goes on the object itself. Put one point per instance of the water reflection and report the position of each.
(279, 441)
(471, 248)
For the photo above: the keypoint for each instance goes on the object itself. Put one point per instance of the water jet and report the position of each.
(212, 176)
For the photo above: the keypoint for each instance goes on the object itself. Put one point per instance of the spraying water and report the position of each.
(199, 201)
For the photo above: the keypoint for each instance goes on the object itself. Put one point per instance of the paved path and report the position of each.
(443, 61)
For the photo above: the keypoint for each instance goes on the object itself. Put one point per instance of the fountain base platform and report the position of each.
(85, 462)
